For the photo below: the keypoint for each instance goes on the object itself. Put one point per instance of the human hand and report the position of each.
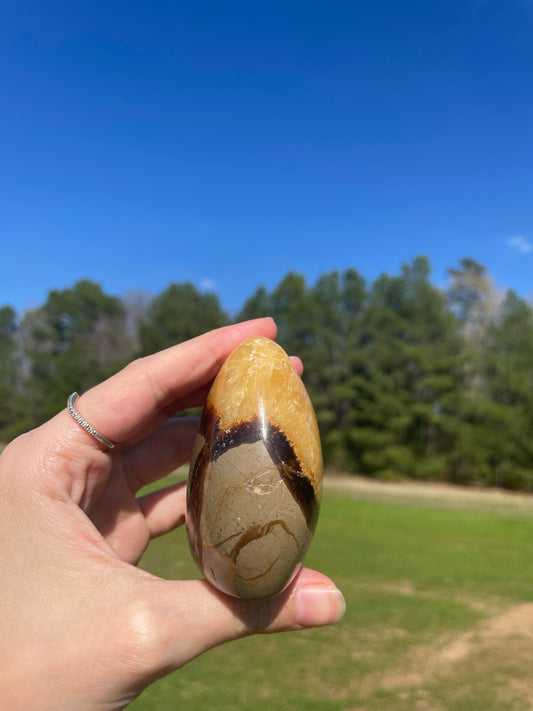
(82, 627)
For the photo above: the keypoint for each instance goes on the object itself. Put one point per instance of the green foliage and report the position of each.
(407, 380)
(179, 313)
(9, 370)
(412, 375)
(78, 338)
(494, 444)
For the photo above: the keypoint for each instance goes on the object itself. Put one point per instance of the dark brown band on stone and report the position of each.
(218, 441)
(292, 473)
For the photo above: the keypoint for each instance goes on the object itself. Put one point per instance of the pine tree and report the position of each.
(75, 340)
(403, 415)
(179, 313)
(495, 445)
(9, 371)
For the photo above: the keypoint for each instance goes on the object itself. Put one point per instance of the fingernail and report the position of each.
(316, 607)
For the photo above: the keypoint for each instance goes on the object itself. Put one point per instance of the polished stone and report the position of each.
(255, 480)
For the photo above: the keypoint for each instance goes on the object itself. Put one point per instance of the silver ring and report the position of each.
(86, 426)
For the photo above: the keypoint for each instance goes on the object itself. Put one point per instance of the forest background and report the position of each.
(407, 379)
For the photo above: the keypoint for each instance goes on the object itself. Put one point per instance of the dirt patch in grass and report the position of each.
(506, 631)
(499, 647)
(487, 666)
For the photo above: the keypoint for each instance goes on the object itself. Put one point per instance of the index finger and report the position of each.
(148, 391)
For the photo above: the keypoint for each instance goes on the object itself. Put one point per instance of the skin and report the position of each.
(81, 626)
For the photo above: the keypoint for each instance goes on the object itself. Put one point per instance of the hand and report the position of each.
(81, 627)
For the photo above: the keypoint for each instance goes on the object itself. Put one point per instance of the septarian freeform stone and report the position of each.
(256, 474)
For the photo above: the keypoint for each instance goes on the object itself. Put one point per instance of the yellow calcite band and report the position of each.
(259, 371)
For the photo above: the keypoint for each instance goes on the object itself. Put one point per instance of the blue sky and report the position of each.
(226, 143)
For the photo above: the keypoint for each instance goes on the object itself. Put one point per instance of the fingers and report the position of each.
(312, 600)
(164, 509)
(151, 389)
(197, 617)
(161, 453)
(297, 363)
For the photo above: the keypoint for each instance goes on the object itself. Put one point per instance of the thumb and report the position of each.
(194, 617)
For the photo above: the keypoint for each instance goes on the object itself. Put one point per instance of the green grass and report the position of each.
(422, 585)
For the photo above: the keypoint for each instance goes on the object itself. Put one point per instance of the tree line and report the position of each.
(407, 379)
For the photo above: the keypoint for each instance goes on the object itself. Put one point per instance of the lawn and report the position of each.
(438, 616)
